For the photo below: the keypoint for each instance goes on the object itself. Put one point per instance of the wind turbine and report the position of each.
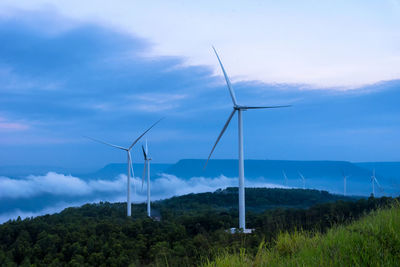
(239, 109)
(285, 177)
(373, 181)
(303, 180)
(344, 183)
(147, 160)
(128, 151)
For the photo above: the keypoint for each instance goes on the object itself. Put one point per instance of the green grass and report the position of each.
(374, 240)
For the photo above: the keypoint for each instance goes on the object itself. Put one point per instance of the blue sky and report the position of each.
(67, 70)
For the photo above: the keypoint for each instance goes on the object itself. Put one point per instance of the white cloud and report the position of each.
(117, 185)
(114, 190)
(169, 185)
(51, 183)
(66, 185)
(340, 43)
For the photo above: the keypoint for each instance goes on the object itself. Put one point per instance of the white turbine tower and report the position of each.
(239, 109)
(128, 151)
(285, 177)
(147, 160)
(303, 180)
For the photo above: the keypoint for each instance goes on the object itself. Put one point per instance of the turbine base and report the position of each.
(240, 230)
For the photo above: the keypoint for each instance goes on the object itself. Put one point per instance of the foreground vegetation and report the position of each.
(372, 241)
(191, 229)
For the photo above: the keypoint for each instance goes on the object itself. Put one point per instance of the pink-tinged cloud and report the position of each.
(13, 126)
(7, 125)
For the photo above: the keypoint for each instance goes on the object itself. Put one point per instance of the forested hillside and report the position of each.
(188, 229)
(257, 199)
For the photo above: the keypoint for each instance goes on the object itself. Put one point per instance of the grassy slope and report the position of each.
(371, 241)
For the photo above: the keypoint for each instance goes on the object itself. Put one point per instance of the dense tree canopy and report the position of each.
(187, 230)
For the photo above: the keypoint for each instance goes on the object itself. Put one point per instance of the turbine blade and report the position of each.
(376, 180)
(133, 173)
(228, 82)
(144, 173)
(245, 107)
(220, 135)
(144, 153)
(108, 144)
(154, 124)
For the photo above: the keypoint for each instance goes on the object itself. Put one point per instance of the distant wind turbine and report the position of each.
(344, 183)
(239, 109)
(147, 160)
(285, 177)
(373, 181)
(130, 168)
(303, 180)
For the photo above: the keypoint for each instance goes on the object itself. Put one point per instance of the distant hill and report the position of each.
(271, 169)
(322, 175)
(112, 170)
(389, 170)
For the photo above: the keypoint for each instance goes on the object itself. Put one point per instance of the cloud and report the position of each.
(93, 79)
(51, 183)
(86, 76)
(169, 185)
(165, 185)
(116, 185)
(81, 191)
(340, 44)
(12, 126)
(7, 125)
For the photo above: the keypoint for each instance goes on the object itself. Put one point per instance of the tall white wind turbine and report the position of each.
(130, 168)
(147, 160)
(303, 180)
(239, 109)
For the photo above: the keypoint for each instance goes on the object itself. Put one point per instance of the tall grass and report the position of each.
(374, 240)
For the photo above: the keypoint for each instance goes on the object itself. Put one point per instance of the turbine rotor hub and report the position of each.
(240, 107)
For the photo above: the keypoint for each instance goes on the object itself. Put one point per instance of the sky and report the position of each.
(110, 69)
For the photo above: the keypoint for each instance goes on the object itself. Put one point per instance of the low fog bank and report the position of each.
(37, 195)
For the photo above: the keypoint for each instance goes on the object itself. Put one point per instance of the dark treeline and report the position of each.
(257, 199)
(192, 228)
